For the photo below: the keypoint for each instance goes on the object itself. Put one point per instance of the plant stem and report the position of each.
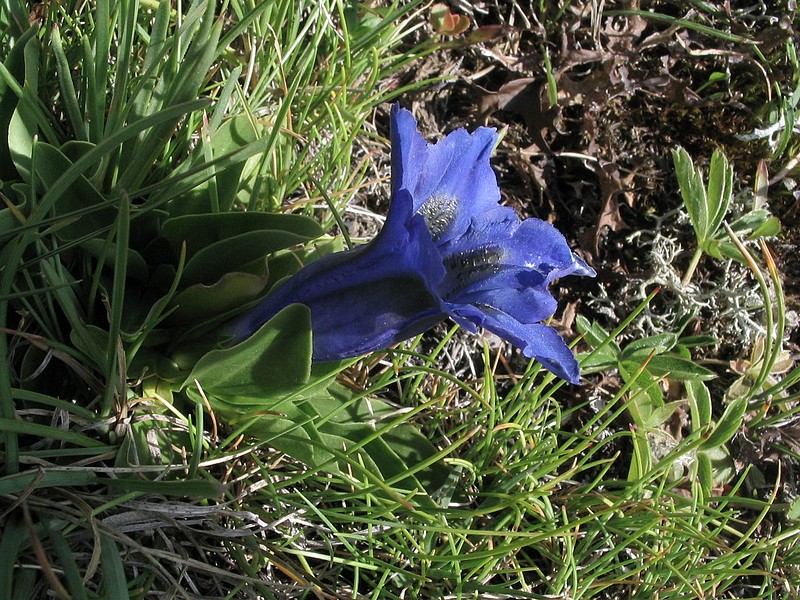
(692, 266)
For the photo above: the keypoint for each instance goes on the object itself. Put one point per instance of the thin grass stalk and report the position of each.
(769, 356)
(70, 98)
(115, 366)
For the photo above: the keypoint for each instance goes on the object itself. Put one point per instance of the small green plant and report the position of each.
(643, 363)
(648, 367)
(445, 22)
(708, 206)
(751, 372)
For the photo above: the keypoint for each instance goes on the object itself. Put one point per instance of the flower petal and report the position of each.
(538, 341)
(366, 298)
(453, 176)
(525, 304)
(537, 245)
(346, 324)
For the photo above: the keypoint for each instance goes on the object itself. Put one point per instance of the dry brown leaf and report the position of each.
(524, 97)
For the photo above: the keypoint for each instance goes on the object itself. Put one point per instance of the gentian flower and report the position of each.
(447, 249)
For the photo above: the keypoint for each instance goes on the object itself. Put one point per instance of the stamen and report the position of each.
(439, 212)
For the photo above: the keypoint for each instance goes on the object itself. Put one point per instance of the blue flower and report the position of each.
(447, 249)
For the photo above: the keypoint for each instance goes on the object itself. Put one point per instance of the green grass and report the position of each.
(417, 474)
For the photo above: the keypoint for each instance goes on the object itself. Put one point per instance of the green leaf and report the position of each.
(11, 220)
(136, 265)
(15, 69)
(273, 361)
(676, 367)
(66, 558)
(641, 457)
(25, 584)
(149, 307)
(143, 102)
(720, 189)
(200, 302)
(642, 348)
(723, 468)
(646, 398)
(13, 536)
(728, 424)
(705, 474)
(333, 430)
(720, 250)
(95, 71)
(699, 403)
(13, 217)
(49, 433)
(598, 360)
(750, 226)
(115, 584)
(193, 488)
(74, 150)
(21, 133)
(91, 340)
(198, 38)
(661, 415)
(27, 120)
(224, 256)
(89, 212)
(793, 513)
(109, 145)
(692, 341)
(69, 97)
(749, 222)
(594, 335)
(769, 228)
(219, 192)
(201, 230)
(40, 479)
(692, 191)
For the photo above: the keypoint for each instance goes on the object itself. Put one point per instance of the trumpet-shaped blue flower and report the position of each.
(447, 249)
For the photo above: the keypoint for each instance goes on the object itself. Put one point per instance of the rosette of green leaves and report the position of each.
(126, 241)
(708, 205)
